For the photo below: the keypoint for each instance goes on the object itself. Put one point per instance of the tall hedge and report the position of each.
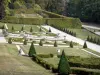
(60, 22)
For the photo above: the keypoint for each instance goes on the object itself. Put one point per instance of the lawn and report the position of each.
(11, 63)
(18, 27)
(53, 50)
(83, 33)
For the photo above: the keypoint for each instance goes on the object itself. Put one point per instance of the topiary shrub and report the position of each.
(31, 29)
(40, 43)
(32, 50)
(49, 29)
(71, 44)
(12, 29)
(55, 44)
(85, 45)
(63, 67)
(10, 40)
(25, 42)
(54, 70)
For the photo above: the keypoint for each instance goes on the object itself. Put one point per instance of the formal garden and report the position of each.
(44, 51)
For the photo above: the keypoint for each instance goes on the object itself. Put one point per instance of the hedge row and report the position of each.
(65, 30)
(93, 40)
(65, 22)
(60, 22)
(53, 15)
(34, 21)
(76, 67)
(84, 71)
(43, 63)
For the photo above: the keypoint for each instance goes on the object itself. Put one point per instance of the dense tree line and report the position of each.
(86, 10)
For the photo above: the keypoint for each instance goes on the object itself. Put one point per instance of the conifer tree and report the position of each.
(71, 44)
(22, 28)
(88, 38)
(49, 30)
(12, 29)
(85, 45)
(40, 43)
(31, 29)
(40, 29)
(10, 40)
(32, 50)
(55, 44)
(25, 42)
(63, 66)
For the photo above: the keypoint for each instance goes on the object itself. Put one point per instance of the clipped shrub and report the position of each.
(32, 50)
(10, 40)
(31, 29)
(40, 43)
(22, 28)
(12, 29)
(71, 44)
(55, 44)
(63, 66)
(45, 55)
(54, 70)
(85, 45)
(49, 30)
(25, 42)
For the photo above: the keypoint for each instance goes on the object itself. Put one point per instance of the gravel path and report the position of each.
(74, 39)
(2, 38)
(20, 50)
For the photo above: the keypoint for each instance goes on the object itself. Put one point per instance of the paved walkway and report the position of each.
(2, 38)
(90, 45)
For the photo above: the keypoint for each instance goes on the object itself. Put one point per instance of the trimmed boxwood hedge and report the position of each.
(60, 22)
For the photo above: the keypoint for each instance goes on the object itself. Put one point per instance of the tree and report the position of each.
(40, 29)
(10, 40)
(63, 66)
(88, 38)
(25, 42)
(55, 44)
(71, 44)
(32, 50)
(31, 29)
(12, 29)
(85, 45)
(41, 44)
(22, 28)
(49, 29)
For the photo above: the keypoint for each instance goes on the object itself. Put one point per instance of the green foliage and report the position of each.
(82, 9)
(63, 67)
(10, 40)
(25, 42)
(45, 55)
(55, 44)
(71, 44)
(32, 50)
(22, 28)
(12, 29)
(49, 30)
(41, 43)
(40, 29)
(85, 45)
(31, 29)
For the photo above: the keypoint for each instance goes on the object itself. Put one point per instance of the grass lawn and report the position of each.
(18, 27)
(13, 64)
(83, 34)
(69, 51)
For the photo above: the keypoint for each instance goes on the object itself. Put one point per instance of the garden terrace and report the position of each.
(13, 63)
